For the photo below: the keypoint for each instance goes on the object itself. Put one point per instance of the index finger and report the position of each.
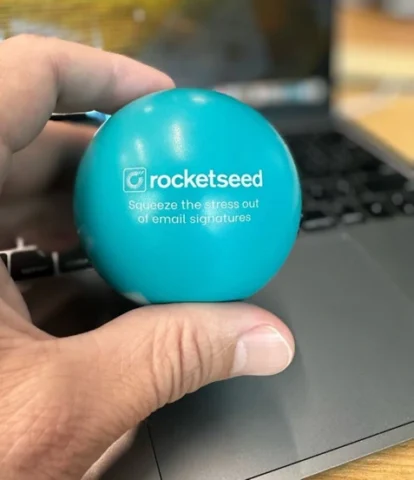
(40, 76)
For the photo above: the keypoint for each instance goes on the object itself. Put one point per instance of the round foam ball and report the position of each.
(187, 195)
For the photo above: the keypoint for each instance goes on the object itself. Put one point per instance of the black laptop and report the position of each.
(347, 290)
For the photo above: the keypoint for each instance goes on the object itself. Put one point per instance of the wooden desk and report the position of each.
(373, 49)
(372, 46)
(394, 464)
(393, 123)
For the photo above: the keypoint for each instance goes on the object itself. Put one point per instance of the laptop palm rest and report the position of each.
(351, 378)
(391, 245)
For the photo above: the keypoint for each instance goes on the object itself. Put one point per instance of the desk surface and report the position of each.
(392, 120)
(394, 464)
(374, 65)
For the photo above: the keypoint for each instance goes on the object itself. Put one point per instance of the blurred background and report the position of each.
(373, 64)
(374, 68)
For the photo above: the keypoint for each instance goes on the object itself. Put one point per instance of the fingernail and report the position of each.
(261, 351)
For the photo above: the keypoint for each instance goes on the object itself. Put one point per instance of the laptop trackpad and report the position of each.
(391, 245)
(351, 378)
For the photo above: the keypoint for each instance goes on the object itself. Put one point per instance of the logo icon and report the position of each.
(135, 180)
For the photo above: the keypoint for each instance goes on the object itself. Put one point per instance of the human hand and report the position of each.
(64, 401)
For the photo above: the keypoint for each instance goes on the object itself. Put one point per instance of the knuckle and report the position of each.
(35, 51)
(182, 356)
(26, 40)
(39, 423)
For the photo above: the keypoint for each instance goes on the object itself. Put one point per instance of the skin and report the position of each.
(65, 400)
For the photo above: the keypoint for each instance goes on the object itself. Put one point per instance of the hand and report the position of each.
(64, 401)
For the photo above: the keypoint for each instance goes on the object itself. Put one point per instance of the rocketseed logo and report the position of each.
(136, 180)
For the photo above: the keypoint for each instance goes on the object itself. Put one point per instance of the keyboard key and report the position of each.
(350, 215)
(404, 202)
(343, 187)
(317, 163)
(348, 157)
(311, 160)
(31, 264)
(4, 258)
(386, 183)
(398, 199)
(326, 191)
(332, 138)
(408, 209)
(342, 161)
(366, 161)
(320, 155)
(379, 209)
(73, 260)
(319, 192)
(409, 186)
(317, 220)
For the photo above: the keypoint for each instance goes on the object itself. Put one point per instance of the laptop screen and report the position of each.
(265, 52)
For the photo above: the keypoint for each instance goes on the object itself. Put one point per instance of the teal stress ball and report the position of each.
(187, 195)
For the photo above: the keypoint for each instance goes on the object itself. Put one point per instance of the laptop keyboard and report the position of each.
(342, 184)
(28, 262)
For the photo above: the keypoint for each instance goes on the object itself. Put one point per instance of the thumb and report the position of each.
(154, 355)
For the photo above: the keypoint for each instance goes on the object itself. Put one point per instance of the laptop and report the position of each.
(346, 291)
